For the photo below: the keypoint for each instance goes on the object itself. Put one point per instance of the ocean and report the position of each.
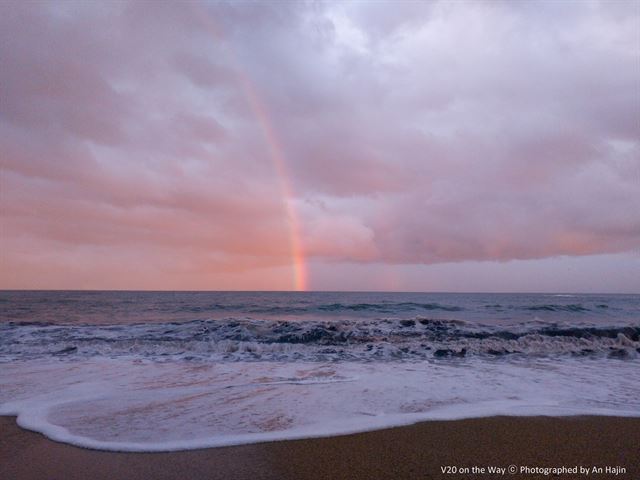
(162, 371)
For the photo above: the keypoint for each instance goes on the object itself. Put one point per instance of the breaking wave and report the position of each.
(364, 340)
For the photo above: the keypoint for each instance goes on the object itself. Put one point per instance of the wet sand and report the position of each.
(414, 452)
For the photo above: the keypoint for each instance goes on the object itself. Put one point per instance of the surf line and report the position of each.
(274, 148)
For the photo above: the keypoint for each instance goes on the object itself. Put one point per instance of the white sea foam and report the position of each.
(127, 405)
(268, 340)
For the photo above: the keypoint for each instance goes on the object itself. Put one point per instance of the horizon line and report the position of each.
(314, 291)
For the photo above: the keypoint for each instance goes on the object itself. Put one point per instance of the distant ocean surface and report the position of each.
(154, 371)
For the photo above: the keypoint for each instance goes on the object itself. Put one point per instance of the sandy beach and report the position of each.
(415, 452)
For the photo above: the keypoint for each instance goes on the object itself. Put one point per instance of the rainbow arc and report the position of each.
(276, 155)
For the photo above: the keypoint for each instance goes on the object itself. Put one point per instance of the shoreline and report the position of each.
(417, 451)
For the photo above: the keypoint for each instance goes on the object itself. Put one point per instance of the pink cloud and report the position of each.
(409, 135)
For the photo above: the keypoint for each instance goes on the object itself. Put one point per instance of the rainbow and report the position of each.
(276, 155)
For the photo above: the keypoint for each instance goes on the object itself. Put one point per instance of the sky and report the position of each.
(355, 145)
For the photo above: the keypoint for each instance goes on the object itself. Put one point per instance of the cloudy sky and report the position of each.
(429, 146)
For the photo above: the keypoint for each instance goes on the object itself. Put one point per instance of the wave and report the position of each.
(386, 307)
(125, 405)
(182, 311)
(574, 307)
(335, 308)
(549, 307)
(364, 340)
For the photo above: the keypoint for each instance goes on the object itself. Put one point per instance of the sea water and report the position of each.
(159, 371)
